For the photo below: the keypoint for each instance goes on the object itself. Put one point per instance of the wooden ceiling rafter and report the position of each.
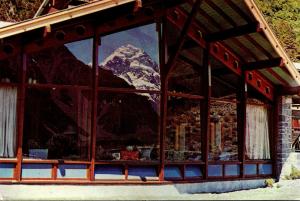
(225, 56)
(218, 26)
(221, 12)
(244, 48)
(233, 32)
(258, 46)
(280, 79)
(238, 10)
(180, 42)
(269, 63)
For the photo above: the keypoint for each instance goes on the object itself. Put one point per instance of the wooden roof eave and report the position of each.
(287, 63)
(60, 16)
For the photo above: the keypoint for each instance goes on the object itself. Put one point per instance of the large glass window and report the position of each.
(9, 79)
(128, 123)
(57, 122)
(127, 127)
(183, 141)
(183, 131)
(69, 64)
(257, 127)
(57, 119)
(129, 59)
(223, 138)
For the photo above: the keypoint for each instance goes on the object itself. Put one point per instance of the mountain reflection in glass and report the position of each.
(131, 56)
(128, 123)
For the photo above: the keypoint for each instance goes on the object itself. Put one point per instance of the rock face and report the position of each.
(134, 66)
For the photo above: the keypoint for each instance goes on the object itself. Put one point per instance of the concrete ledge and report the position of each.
(220, 186)
(120, 192)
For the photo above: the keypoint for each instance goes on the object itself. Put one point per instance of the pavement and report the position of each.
(284, 190)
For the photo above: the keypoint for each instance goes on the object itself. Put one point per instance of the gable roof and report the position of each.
(215, 18)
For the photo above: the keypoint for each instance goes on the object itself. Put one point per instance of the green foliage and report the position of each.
(295, 174)
(269, 182)
(18, 10)
(284, 18)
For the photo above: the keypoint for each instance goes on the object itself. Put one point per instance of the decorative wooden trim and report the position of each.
(260, 83)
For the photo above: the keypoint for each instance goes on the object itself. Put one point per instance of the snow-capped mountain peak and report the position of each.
(136, 67)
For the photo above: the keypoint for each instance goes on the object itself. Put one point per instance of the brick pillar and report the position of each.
(284, 137)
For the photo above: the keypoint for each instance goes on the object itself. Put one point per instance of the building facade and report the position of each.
(143, 92)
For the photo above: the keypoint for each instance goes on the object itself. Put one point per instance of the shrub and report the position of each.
(269, 182)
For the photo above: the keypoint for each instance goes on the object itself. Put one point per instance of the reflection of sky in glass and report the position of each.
(82, 50)
(144, 37)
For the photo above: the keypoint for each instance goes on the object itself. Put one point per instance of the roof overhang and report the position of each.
(236, 27)
(60, 16)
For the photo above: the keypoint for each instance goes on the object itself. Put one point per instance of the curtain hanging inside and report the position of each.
(8, 130)
(257, 132)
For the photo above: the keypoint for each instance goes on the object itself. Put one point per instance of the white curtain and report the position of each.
(8, 130)
(257, 132)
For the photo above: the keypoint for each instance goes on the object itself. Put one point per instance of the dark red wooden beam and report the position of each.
(221, 53)
(260, 83)
(289, 91)
(185, 29)
(278, 62)
(233, 32)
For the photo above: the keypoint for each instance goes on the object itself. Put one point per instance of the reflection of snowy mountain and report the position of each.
(134, 66)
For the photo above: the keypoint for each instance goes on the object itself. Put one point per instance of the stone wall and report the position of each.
(284, 138)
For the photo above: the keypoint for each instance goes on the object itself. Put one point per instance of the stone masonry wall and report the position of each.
(284, 140)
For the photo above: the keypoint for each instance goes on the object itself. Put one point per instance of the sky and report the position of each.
(144, 37)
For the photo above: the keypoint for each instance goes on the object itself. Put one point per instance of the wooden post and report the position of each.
(205, 120)
(241, 122)
(96, 43)
(164, 95)
(20, 115)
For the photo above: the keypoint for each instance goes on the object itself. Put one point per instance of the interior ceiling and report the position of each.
(217, 16)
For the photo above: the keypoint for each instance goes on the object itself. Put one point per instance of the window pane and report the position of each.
(9, 70)
(183, 139)
(186, 77)
(8, 121)
(223, 138)
(57, 124)
(129, 59)
(69, 64)
(127, 127)
(257, 127)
